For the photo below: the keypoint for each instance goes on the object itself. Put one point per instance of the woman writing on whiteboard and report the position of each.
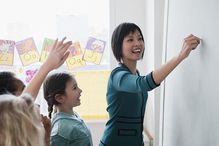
(127, 90)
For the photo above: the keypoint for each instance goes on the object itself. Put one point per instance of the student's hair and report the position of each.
(9, 84)
(120, 32)
(55, 84)
(19, 122)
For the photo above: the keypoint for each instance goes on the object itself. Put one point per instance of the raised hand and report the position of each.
(58, 54)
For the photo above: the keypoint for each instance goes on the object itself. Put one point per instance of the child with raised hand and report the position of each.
(68, 129)
(27, 129)
(57, 56)
(10, 84)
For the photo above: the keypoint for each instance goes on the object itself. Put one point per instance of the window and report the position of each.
(76, 19)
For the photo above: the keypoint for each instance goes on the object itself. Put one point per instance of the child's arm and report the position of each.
(190, 43)
(47, 126)
(57, 56)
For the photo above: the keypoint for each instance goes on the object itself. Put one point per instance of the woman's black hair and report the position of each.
(118, 36)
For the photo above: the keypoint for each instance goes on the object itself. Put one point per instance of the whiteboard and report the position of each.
(191, 100)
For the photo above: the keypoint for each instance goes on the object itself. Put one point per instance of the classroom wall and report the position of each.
(191, 91)
(159, 6)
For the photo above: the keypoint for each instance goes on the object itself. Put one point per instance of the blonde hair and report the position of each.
(19, 122)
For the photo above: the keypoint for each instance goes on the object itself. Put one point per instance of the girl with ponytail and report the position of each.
(68, 129)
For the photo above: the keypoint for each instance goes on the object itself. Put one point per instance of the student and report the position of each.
(9, 83)
(20, 122)
(68, 129)
(127, 90)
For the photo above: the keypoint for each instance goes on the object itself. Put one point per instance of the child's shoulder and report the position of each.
(64, 119)
(64, 125)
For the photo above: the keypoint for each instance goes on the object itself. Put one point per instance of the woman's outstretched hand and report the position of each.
(190, 43)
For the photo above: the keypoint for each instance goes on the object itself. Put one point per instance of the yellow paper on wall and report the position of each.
(93, 96)
(47, 46)
(92, 56)
(27, 51)
(94, 50)
(6, 52)
(74, 59)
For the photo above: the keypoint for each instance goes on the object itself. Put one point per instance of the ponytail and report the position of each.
(50, 110)
(50, 102)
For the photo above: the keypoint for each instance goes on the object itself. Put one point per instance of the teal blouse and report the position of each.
(69, 130)
(126, 99)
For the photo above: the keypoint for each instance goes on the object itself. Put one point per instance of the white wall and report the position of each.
(158, 50)
(154, 43)
(191, 91)
(148, 64)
